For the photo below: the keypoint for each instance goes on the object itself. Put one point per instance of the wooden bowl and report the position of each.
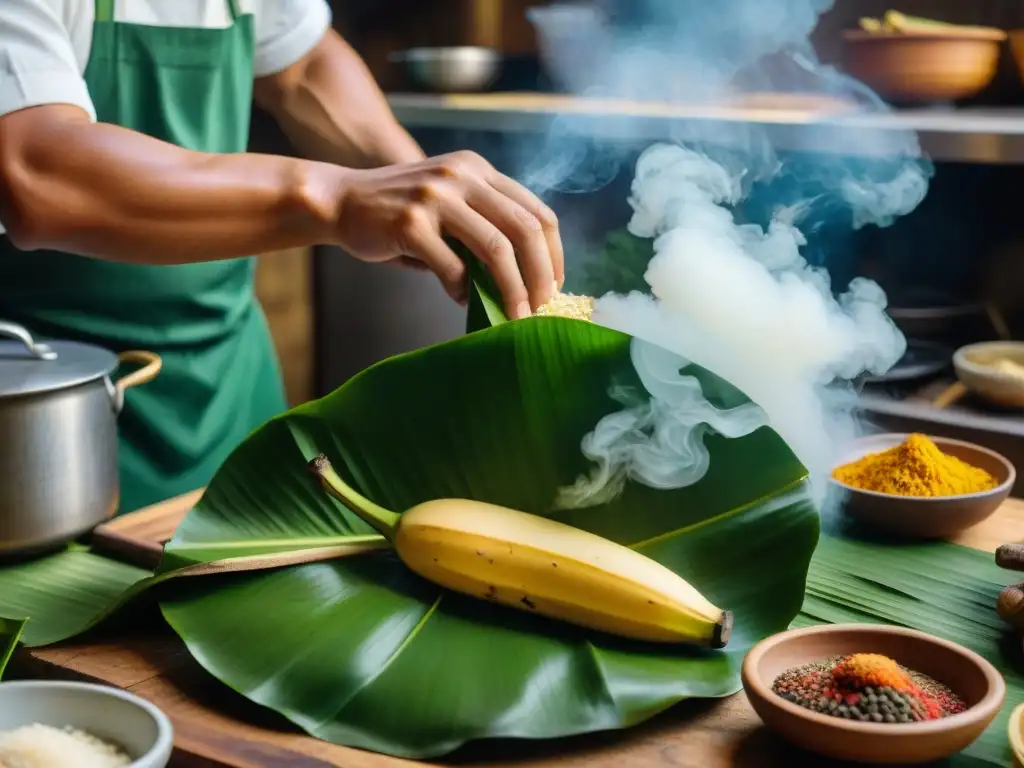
(966, 673)
(999, 388)
(907, 67)
(1017, 47)
(927, 517)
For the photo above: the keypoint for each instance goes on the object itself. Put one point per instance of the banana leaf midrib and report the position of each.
(736, 510)
(286, 545)
(408, 640)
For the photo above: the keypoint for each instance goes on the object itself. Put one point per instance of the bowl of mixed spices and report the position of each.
(872, 693)
(919, 486)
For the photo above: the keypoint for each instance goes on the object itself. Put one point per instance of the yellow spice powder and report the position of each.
(916, 467)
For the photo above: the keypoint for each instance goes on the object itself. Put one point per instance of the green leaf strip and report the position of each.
(778, 496)
(10, 633)
(263, 547)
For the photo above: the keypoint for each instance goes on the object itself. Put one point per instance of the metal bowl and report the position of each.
(447, 70)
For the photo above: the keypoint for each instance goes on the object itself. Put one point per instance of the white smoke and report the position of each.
(737, 299)
(742, 302)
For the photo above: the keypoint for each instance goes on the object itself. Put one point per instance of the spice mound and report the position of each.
(867, 687)
(43, 746)
(915, 467)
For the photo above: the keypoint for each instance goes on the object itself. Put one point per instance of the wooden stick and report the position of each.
(950, 395)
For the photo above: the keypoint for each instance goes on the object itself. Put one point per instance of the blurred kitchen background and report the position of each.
(953, 269)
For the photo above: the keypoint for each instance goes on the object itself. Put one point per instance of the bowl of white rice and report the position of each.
(54, 724)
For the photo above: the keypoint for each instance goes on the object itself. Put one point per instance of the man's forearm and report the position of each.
(104, 191)
(332, 110)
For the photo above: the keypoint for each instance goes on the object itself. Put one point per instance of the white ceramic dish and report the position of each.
(993, 385)
(116, 716)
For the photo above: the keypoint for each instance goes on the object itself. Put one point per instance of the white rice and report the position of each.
(43, 746)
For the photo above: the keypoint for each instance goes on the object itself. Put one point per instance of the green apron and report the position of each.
(220, 377)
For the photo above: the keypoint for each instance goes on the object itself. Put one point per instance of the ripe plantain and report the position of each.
(534, 564)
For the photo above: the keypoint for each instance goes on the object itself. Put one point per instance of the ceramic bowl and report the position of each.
(1017, 47)
(937, 66)
(926, 517)
(966, 673)
(111, 714)
(972, 364)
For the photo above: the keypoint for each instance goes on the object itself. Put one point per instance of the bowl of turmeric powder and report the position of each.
(921, 486)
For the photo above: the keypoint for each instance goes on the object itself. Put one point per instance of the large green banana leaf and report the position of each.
(361, 651)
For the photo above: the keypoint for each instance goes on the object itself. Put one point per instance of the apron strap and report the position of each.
(104, 10)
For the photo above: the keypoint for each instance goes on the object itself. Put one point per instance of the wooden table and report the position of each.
(217, 728)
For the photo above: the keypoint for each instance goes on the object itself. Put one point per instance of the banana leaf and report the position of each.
(10, 634)
(63, 594)
(362, 652)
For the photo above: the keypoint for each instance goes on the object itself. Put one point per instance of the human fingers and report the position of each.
(524, 231)
(542, 213)
(489, 244)
(423, 243)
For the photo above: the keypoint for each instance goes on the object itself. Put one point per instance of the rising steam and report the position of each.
(738, 299)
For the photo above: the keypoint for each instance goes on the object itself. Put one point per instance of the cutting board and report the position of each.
(217, 728)
(138, 538)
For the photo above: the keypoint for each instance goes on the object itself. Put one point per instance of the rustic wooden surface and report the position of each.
(138, 538)
(218, 728)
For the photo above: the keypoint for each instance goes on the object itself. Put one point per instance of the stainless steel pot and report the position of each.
(58, 436)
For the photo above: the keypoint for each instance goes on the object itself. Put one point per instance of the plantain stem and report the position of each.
(383, 520)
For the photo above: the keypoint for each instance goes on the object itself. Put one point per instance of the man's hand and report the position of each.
(402, 212)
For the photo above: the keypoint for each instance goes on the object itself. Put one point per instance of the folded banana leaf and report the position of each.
(361, 651)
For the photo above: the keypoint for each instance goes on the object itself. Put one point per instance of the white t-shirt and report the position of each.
(44, 44)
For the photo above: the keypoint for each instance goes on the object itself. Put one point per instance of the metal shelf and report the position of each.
(989, 136)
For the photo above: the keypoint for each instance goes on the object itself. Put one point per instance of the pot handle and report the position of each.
(38, 349)
(151, 365)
